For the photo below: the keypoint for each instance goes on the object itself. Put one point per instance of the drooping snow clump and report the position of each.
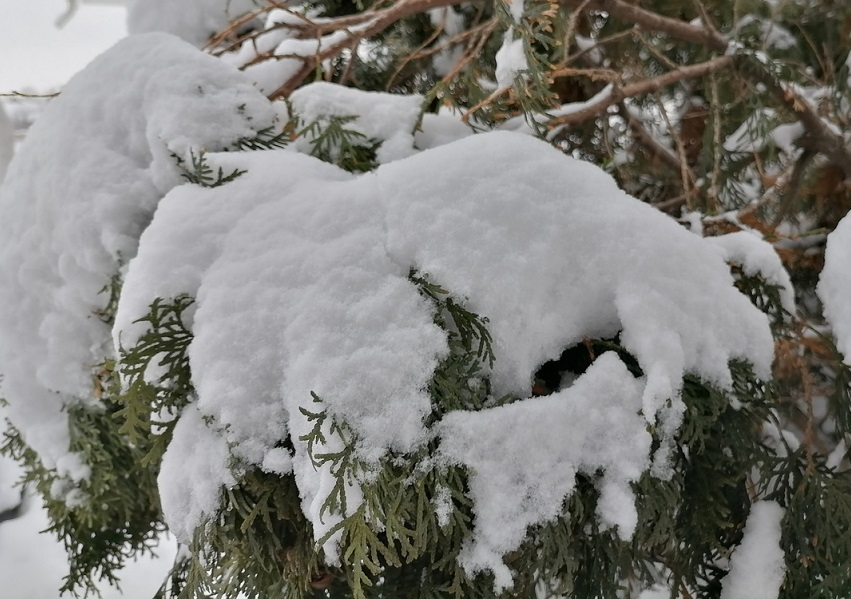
(78, 194)
(304, 301)
(300, 271)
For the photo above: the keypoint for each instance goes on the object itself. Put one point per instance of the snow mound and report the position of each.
(300, 272)
(78, 194)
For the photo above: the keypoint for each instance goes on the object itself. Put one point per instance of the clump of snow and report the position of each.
(194, 21)
(388, 118)
(757, 566)
(78, 194)
(198, 457)
(510, 60)
(516, 8)
(451, 23)
(834, 286)
(757, 257)
(300, 271)
(772, 34)
(524, 458)
(745, 139)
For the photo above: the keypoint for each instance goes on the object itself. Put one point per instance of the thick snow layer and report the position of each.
(834, 286)
(78, 194)
(757, 566)
(192, 20)
(532, 450)
(301, 277)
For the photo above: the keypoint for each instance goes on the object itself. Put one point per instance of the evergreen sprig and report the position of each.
(199, 171)
(149, 405)
(331, 140)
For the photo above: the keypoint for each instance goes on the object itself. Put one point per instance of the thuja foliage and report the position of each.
(109, 518)
(332, 141)
(404, 539)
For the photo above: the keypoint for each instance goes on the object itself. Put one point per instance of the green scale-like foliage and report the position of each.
(395, 544)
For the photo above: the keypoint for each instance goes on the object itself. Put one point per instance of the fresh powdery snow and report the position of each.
(757, 257)
(78, 194)
(510, 60)
(757, 565)
(300, 273)
(834, 286)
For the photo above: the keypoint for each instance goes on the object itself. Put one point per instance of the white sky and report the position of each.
(37, 56)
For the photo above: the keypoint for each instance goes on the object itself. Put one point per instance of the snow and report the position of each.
(440, 129)
(198, 457)
(524, 458)
(304, 304)
(834, 287)
(194, 21)
(757, 257)
(78, 193)
(516, 8)
(388, 118)
(452, 23)
(757, 565)
(510, 60)
(300, 273)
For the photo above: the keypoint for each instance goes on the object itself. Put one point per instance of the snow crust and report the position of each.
(194, 21)
(78, 194)
(757, 566)
(300, 271)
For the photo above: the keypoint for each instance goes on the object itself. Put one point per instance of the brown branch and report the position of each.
(818, 136)
(652, 21)
(647, 140)
(368, 24)
(643, 87)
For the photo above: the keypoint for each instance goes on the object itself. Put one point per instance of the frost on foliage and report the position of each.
(192, 20)
(834, 287)
(757, 565)
(304, 305)
(78, 194)
(533, 450)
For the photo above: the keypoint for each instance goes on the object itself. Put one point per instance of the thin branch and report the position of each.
(652, 21)
(643, 87)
